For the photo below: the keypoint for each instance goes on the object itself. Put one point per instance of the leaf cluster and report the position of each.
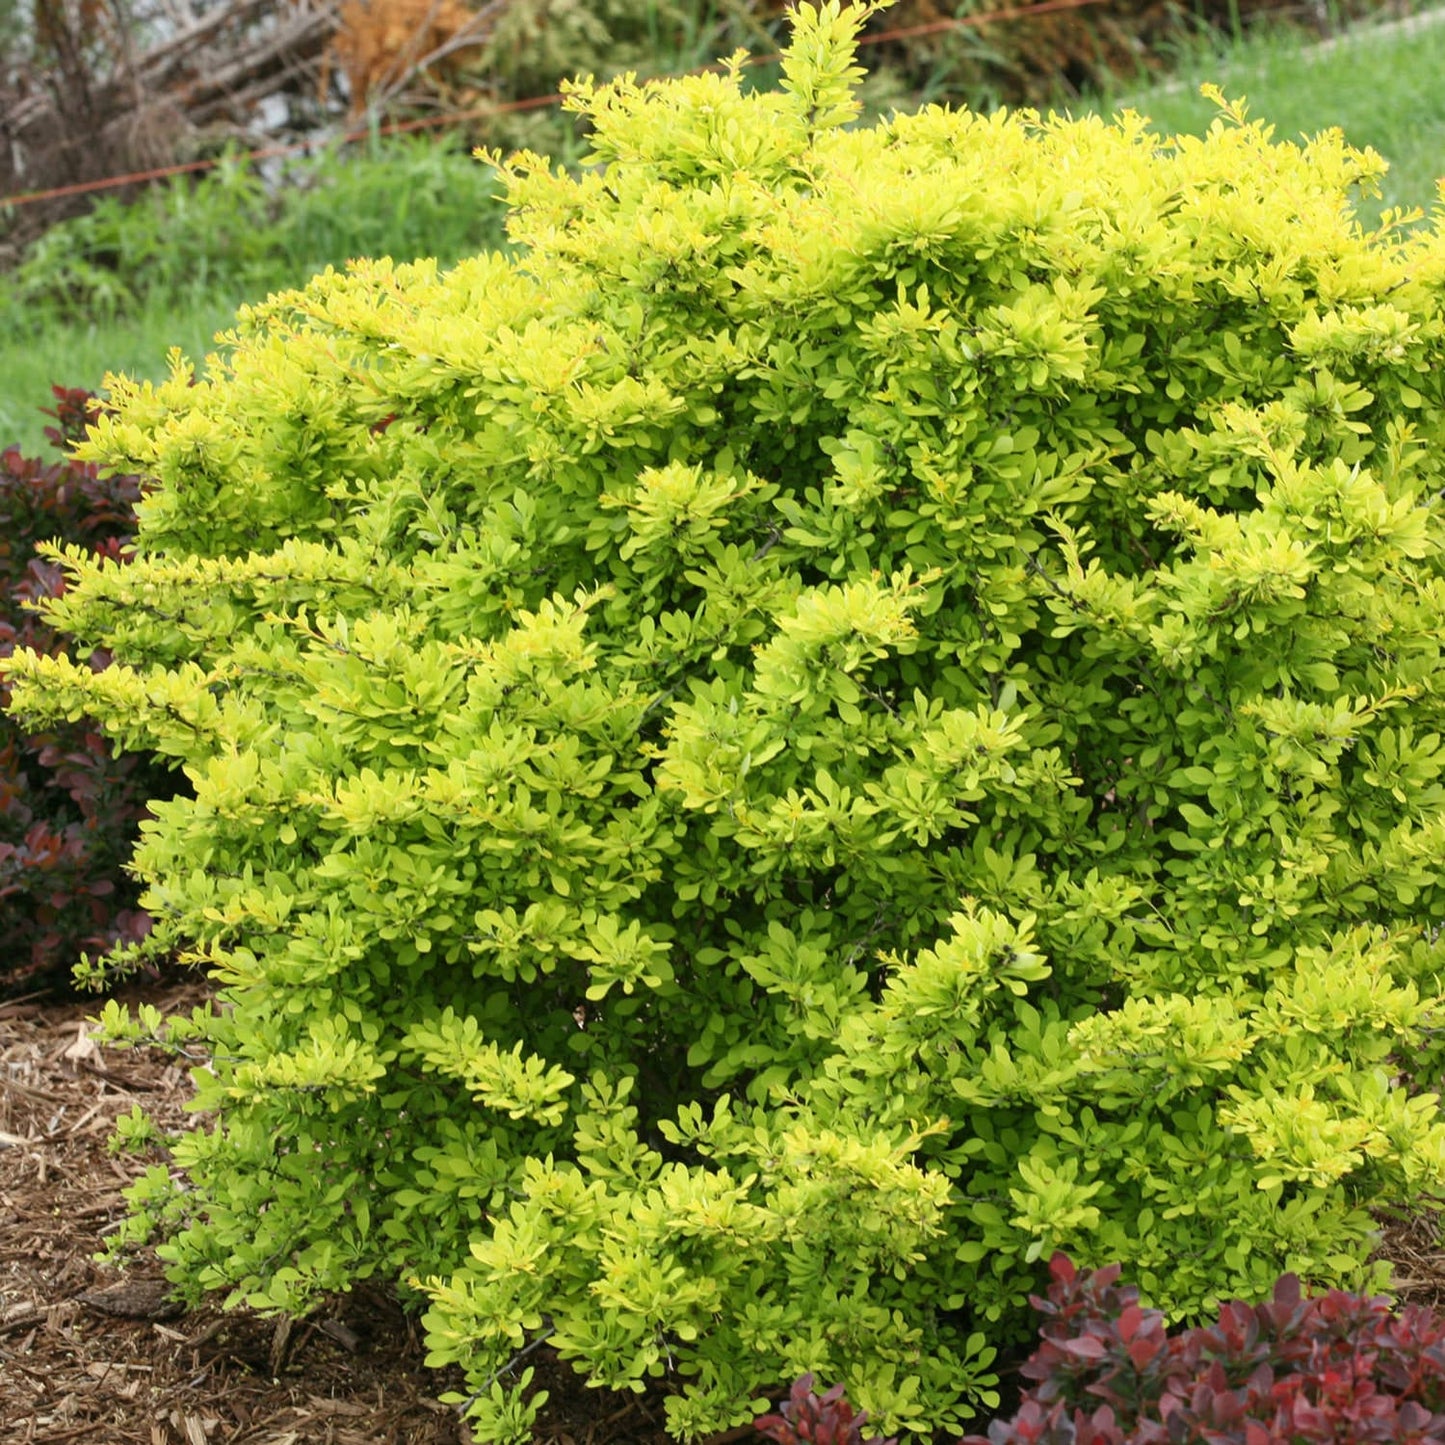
(825, 1419)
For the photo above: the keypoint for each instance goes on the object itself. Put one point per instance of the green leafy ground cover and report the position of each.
(862, 709)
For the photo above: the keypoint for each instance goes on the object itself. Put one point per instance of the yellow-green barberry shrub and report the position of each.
(865, 709)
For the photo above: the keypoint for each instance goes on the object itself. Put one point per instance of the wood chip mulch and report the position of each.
(88, 1354)
(1412, 1244)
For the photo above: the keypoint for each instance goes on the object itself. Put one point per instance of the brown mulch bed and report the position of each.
(89, 1354)
(1413, 1245)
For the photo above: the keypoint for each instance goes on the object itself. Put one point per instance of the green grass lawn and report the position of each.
(1380, 84)
(78, 354)
(116, 289)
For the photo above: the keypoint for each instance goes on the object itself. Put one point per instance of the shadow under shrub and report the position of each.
(863, 710)
(69, 804)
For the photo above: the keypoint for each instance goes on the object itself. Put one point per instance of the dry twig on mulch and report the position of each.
(1412, 1244)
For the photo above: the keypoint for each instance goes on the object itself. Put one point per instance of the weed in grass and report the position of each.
(403, 198)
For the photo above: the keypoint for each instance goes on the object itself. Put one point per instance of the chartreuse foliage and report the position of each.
(864, 710)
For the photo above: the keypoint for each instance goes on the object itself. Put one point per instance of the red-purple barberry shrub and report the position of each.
(1335, 1367)
(69, 804)
(812, 1419)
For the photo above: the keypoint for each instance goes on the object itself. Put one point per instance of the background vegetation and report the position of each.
(116, 285)
(1378, 83)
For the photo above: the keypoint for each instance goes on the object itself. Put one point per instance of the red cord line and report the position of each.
(508, 107)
